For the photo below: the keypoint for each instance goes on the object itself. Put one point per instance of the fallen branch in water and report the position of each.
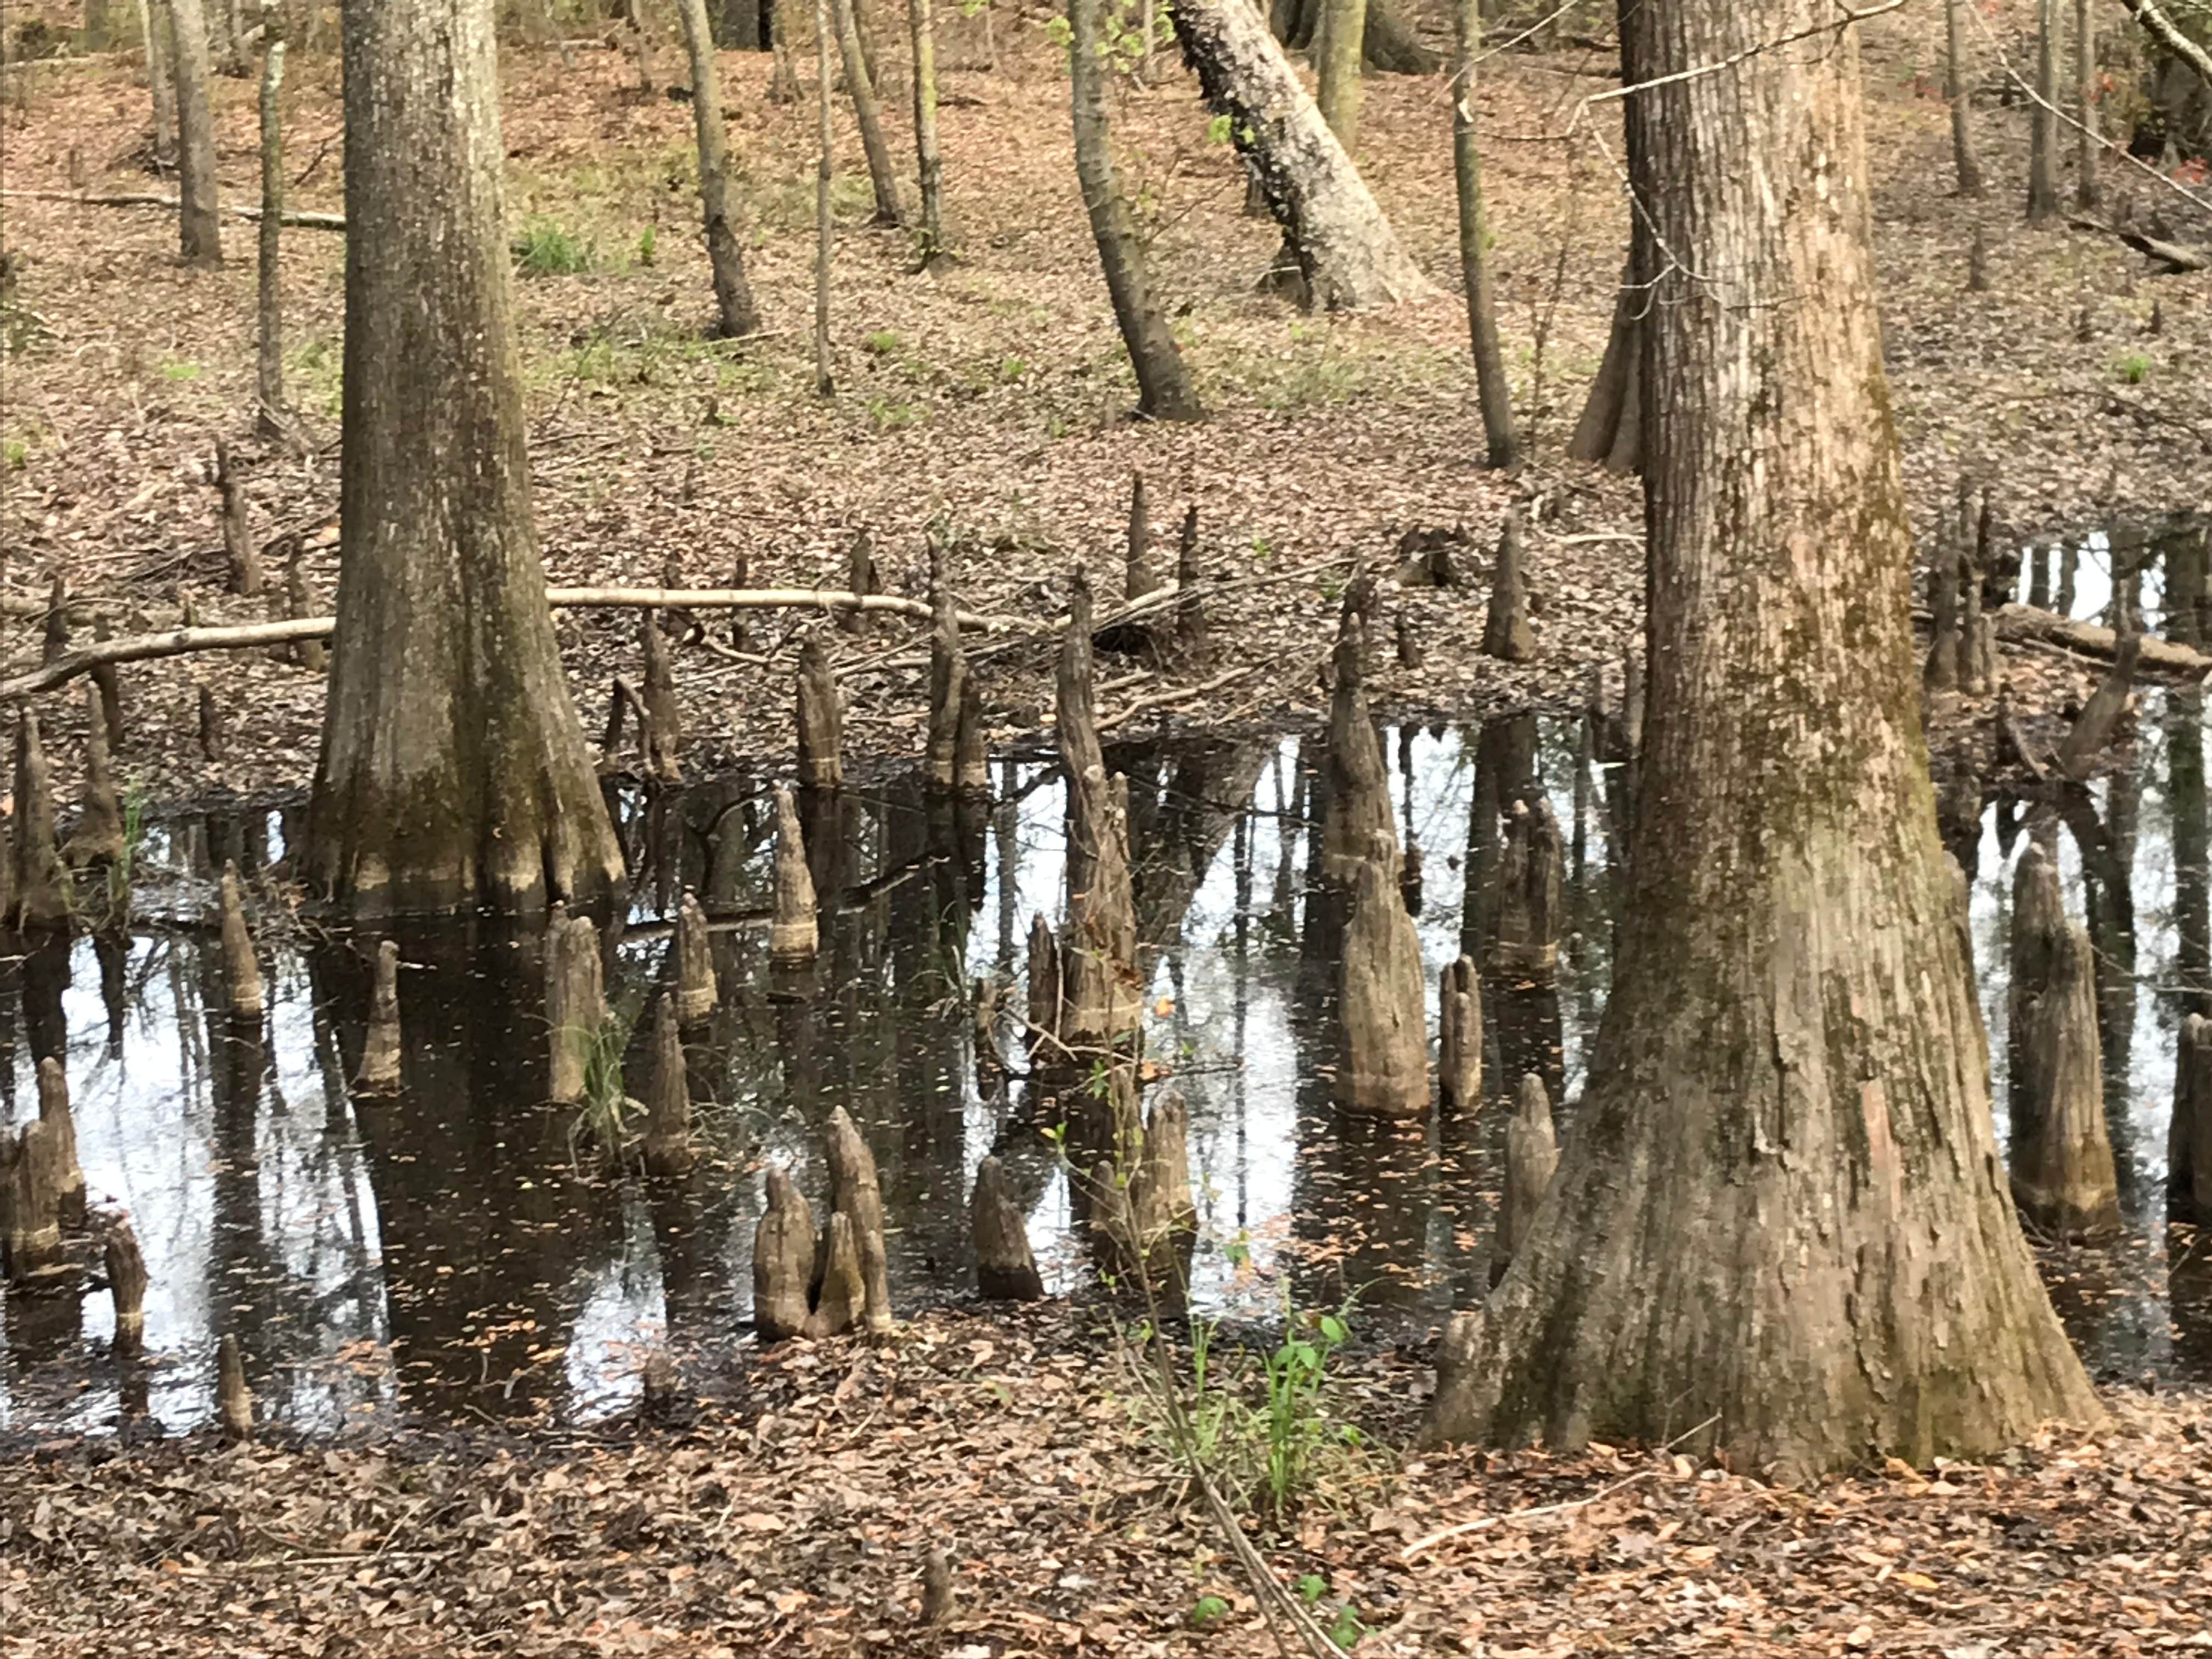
(151, 198)
(2021, 622)
(247, 637)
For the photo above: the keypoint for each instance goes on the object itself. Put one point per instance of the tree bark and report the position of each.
(1964, 157)
(859, 82)
(1347, 255)
(160, 78)
(1610, 429)
(2088, 192)
(2042, 122)
(199, 239)
(1494, 393)
(269, 314)
(824, 141)
(929, 166)
(1163, 389)
(1341, 45)
(453, 769)
(1781, 1207)
(735, 314)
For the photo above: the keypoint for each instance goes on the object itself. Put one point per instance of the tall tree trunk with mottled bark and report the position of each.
(929, 166)
(2087, 189)
(1163, 388)
(1337, 55)
(1493, 391)
(199, 239)
(1780, 1209)
(160, 78)
(2042, 120)
(735, 313)
(824, 139)
(1964, 157)
(453, 771)
(268, 316)
(860, 83)
(1348, 257)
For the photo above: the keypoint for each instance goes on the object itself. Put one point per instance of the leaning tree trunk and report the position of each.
(1610, 429)
(1963, 156)
(1348, 256)
(860, 82)
(1781, 1205)
(1163, 388)
(453, 770)
(1492, 392)
(735, 314)
(199, 239)
(2042, 122)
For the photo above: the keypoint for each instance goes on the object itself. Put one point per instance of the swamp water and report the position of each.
(456, 1252)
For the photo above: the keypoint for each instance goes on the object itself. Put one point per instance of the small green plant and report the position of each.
(1296, 1418)
(121, 871)
(2131, 367)
(16, 453)
(603, 1115)
(647, 241)
(179, 368)
(882, 342)
(547, 248)
(890, 416)
(1012, 369)
(1207, 1610)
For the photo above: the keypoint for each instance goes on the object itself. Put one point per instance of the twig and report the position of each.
(150, 198)
(1485, 1522)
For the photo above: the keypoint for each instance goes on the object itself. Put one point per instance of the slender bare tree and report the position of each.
(2088, 190)
(1493, 391)
(1957, 88)
(2043, 120)
(268, 312)
(198, 235)
(735, 313)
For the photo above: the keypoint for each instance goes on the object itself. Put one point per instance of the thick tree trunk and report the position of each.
(929, 166)
(2089, 192)
(1964, 157)
(198, 239)
(1493, 391)
(2042, 123)
(1393, 48)
(860, 82)
(735, 314)
(269, 315)
(1781, 1205)
(1341, 45)
(1163, 388)
(453, 770)
(1347, 255)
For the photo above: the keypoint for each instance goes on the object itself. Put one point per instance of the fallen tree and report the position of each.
(2021, 622)
(304, 221)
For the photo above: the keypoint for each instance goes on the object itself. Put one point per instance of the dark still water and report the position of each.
(457, 1252)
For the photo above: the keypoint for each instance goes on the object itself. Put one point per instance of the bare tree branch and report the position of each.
(2169, 34)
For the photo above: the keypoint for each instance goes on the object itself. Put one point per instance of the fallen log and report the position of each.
(2020, 622)
(248, 636)
(302, 221)
(2177, 257)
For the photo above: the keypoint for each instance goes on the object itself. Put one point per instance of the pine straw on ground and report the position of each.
(799, 1522)
(992, 399)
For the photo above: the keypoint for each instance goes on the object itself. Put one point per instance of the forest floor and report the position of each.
(798, 1520)
(992, 399)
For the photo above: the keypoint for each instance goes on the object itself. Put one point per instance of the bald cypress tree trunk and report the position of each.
(453, 770)
(1780, 1205)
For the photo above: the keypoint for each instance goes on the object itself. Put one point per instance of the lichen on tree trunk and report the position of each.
(1780, 1205)
(453, 771)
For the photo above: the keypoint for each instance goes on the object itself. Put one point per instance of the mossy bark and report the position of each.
(453, 770)
(1781, 1205)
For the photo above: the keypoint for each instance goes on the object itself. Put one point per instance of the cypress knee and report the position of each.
(212, 745)
(783, 1260)
(696, 991)
(1532, 1155)
(111, 690)
(57, 641)
(2038, 917)
(1360, 822)
(126, 1283)
(1194, 648)
(300, 602)
(244, 557)
(575, 1001)
(948, 673)
(41, 887)
(2063, 1178)
(971, 771)
(61, 1124)
(1138, 578)
(1160, 1203)
(1941, 670)
(30, 1204)
(860, 565)
(1385, 1067)
(664, 726)
(233, 1398)
(820, 720)
(1506, 634)
(1524, 936)
(241, 973)
(1044, 982)
(793, 935)
(97, 838)
(379, 1050)
(1459, 1045)
(856, 1193)
(1005, 1268)
(842, 1303)
(668, 1097)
